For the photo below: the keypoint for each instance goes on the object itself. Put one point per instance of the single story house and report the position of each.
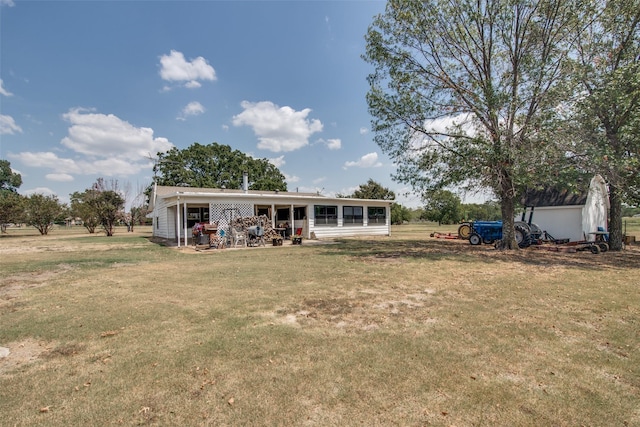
(569, 215)
(176, 209)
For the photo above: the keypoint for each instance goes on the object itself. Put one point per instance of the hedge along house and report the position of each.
(176, 209)
(568, 215)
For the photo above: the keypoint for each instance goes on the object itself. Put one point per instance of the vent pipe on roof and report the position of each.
(245, 181)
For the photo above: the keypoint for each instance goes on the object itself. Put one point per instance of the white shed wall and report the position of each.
(562, 222)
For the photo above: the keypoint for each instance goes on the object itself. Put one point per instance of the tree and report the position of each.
(487, 211)
(11, 208)
(400, 214)
(43, 211)
(9, 180)
(461, 89)
(10, 201)
(607, 69)
(216, 166)
(108, 204)
(373, 190)
(443, 206)
(83, 207)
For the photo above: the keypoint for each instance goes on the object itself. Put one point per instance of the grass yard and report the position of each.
(405, 330)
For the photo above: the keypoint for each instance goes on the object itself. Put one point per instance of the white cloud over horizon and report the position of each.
(101, 145)
(59, 177)
(278, 128)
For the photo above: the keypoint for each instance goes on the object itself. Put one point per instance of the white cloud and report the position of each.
(175, 68)
(349, 190)
(60, 177)
(193, 84)
(191, 109)
(103, 135)
(278, 161)
(332, 144)
(291, 179)
(367, 161)
(9, 3)
(103, 145)
(49, 160)
(277, 128)
(8, 125)
(3, 91)
(319, 180)
(363, 130)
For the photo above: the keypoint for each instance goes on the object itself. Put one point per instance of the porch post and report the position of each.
(273, 216)
(185, 222)
(292, 220)
(178, 220)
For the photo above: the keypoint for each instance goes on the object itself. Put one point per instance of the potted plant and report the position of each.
(296, 239)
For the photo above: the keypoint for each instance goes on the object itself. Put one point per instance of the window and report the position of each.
(377, 215)
(352, 214)
(326, 215)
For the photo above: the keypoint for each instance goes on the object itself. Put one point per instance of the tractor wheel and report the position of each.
(488, 241)
(475, 239)
(464, 231)
(595, 249)
(523, 237)
(604, 247)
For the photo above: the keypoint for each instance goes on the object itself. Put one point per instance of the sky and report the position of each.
(94, 89)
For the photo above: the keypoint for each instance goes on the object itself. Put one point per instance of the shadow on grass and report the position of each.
(436, 250)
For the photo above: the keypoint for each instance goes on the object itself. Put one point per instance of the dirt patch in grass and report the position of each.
(12, 285)
(20, 354)
(363, 311)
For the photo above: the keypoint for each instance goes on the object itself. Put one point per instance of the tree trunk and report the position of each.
(507, 206)
(615, 219)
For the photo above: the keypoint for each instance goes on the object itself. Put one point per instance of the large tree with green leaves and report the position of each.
(108, 203)
(443, 206)
(376, 191)
(83, 206)
(606, 116)
(11, 203)
(462, 88)
(216, 166)
(43, 211)
(373, 190)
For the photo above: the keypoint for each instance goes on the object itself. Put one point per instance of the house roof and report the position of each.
(170, 190)
(166, 192)
(553, 197)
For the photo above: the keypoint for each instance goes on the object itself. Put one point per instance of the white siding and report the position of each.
(562, 222)
(326, 231)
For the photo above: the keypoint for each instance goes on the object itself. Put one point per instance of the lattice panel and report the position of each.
(223, 213)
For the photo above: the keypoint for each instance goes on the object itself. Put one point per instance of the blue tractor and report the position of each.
(489, 232)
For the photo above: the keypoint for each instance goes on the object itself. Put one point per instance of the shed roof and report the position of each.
(553, 197)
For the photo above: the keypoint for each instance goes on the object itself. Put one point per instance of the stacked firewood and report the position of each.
(251, 221)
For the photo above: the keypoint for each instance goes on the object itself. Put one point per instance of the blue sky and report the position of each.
(92, 88)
